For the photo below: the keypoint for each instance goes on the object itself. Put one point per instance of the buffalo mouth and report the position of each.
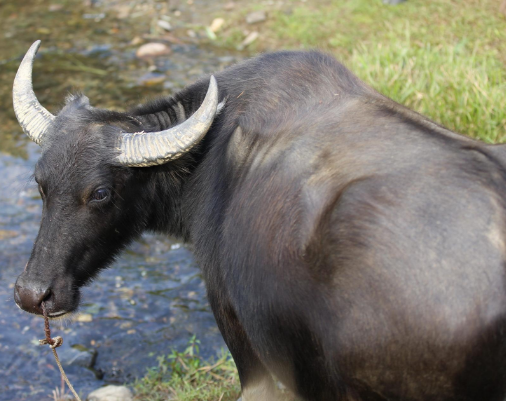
(58, 314)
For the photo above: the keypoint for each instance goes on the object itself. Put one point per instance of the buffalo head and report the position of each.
(95, 198)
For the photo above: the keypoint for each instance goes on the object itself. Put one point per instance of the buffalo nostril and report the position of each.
(45, 297)
(30, 299)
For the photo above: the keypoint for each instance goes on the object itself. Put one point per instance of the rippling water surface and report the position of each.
(153, 298)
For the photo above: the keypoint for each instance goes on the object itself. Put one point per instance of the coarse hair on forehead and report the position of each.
(77, 107)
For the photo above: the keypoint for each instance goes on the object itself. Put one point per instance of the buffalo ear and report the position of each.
(77, 101)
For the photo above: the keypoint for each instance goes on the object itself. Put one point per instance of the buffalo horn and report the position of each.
(33, 118)
(142, 149)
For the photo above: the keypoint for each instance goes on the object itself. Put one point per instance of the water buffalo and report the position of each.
(352, 249)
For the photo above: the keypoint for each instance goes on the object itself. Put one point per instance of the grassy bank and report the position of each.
(186, 376)
(445, 59)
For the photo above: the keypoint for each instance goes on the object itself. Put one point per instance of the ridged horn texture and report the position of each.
(141, 149)
(33, 118)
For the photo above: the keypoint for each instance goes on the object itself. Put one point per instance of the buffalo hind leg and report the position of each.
(256, 382)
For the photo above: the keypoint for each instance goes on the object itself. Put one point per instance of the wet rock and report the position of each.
(151, 79)
(84, 318)
(4, 234)
(99, 51)
(164, 25)
(111, 393)
(216, 24)
(256, 17)
(78, 355)
(151, 50)
(96, 17)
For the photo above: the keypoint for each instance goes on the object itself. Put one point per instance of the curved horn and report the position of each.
(33, 118)
(142, 149)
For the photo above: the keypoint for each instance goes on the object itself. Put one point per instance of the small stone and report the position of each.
(164, 25)
(150, 50)
(96, 17)
(4, 234)
(137, 40)
(84, 317)
(123, 11)
(216, 24)
(111, 393)
(226, 60)
(55, 7)
(256, 17)
(249, 39)
(43, 31)
(393, 2)
(151, 79)
(229, 6)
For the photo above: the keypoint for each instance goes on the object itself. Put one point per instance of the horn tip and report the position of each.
(212, 90)
(35, 46)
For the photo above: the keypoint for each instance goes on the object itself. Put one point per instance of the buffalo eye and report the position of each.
(100, 195)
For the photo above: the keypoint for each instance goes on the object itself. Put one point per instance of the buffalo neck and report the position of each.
(166, 188)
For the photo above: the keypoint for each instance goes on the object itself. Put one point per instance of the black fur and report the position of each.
(351, 247)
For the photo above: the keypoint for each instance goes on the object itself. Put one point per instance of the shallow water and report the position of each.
(153, 298)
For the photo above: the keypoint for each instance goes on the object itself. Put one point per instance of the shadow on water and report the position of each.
(153, 298)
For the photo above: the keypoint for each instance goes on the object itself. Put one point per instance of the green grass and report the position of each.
(450, 84)
(342, 24)
(186, 376)
(443, 58)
